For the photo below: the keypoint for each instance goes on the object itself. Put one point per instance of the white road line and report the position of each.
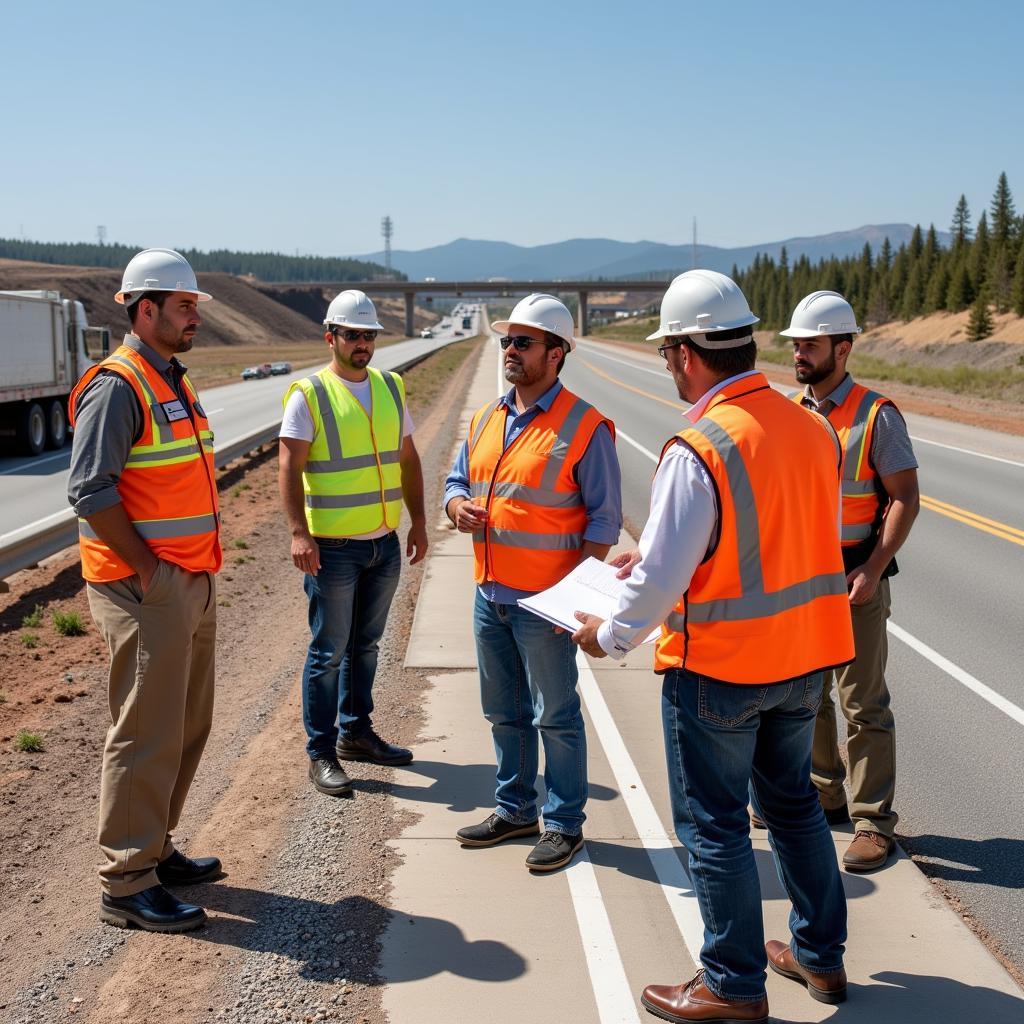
(598, 351)
(636, 444)
(615, 1002)
(672, 877)
(997, 700)
(34, 462)
(968, 451)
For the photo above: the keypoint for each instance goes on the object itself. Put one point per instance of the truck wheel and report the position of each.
(31, 430)
(56, 425)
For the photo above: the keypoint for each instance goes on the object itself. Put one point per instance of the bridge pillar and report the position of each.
(410, 298)
(584, 317)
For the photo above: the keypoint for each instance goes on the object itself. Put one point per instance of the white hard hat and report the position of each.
(542, 311)
(352, 308)
(822, 313)
(158, 270)
(701, 302)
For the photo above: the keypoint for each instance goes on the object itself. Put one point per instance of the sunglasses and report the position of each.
(520, 343)
(356, 335)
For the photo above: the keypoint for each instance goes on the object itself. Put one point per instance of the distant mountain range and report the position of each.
(468, 259)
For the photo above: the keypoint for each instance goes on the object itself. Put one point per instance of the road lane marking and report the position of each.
(629, 387)
(34, 462)
(615, 1002)
(961, 515)
(622, 435)
(673, 880)
(997, 700)
(595, 350)
(968, 451)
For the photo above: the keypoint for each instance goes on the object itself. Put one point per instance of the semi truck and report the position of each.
(46, 344)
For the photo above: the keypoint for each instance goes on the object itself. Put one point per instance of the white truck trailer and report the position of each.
(46, 344)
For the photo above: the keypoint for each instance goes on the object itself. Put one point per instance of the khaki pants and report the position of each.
(160, 691)
(870, 729)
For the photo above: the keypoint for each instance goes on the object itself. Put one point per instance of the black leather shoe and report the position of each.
(493, 831)
(329, 777)
(370, 747)
(181, 870)
(554, 850)
(153, 910)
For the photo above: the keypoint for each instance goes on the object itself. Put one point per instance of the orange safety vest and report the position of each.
(769, 601)
(535, 513)
(865, 500)
(167, 486)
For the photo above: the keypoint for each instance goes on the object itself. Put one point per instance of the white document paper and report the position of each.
(591, 587)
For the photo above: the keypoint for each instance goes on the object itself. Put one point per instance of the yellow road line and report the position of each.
(1010, 533)
(960, 515)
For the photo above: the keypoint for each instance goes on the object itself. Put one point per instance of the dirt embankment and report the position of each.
(242, 313)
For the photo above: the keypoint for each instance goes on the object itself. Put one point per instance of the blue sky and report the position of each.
(298, 126)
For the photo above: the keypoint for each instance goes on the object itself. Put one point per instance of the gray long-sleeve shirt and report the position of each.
(108, 421)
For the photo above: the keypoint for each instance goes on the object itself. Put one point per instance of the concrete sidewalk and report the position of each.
(474, 934)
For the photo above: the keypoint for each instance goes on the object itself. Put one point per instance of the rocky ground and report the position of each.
(294, 923)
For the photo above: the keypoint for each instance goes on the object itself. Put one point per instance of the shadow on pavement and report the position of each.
(635, 862)
(463, 787)
(997, 861)
(900, 998)
(316, 936)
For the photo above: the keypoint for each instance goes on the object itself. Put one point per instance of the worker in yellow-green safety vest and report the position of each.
(347, 462)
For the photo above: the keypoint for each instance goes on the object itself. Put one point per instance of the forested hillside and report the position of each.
(982, 269)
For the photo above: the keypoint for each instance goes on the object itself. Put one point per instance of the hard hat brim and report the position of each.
(375, 326)
(200, 296)
(806, 332)
(664, 332)
(502, 326)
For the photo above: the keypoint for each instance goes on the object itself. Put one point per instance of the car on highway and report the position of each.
(426, 333)
(277, 369)
(254, 373)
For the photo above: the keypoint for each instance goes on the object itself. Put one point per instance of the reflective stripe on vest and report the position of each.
(336, 480)
(530, 484)
(769, 602)
(167, 485)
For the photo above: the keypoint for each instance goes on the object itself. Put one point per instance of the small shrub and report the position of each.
(29, 640)
(34, 618)
(28, 742)
(69, 623)
(241, 543)
(3, 698)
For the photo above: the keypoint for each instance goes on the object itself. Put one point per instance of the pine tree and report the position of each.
(979, 324)
(1017, 293)
(938, 284)
(931, 250)
(916, 243)
(913, 294)
(961, 226)
(978, 257)
(959, 294)
(1003, 213)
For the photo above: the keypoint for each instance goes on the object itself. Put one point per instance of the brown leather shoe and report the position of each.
(826, 988)
(695, 1001)
(868, 851)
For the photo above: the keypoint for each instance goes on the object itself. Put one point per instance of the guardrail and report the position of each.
(28, 545)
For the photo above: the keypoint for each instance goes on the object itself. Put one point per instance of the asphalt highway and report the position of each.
(956, 634)
(35, 489)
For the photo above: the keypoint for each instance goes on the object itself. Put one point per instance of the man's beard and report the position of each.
(176, 341)
(517, 373)
(810, 375)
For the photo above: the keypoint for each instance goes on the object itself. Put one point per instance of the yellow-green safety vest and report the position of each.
(352, 478)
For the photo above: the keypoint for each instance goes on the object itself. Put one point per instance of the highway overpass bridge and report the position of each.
(410, 289)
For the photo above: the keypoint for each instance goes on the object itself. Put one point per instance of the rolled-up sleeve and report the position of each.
(600, 482)
(107, 421)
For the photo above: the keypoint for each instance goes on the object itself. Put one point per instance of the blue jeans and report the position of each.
(724, 743)
(349, 600)
(528, 680)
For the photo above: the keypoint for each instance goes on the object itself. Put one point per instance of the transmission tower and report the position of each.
(101, 233)
(386, 229)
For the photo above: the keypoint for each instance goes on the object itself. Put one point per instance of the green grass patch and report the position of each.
(28, 742)
(34, 619)
(628, 330)
(243, 544)
(3, 698)
(69, 623)
(29, 640)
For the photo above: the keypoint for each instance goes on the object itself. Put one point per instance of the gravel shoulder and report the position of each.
(294, 925)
